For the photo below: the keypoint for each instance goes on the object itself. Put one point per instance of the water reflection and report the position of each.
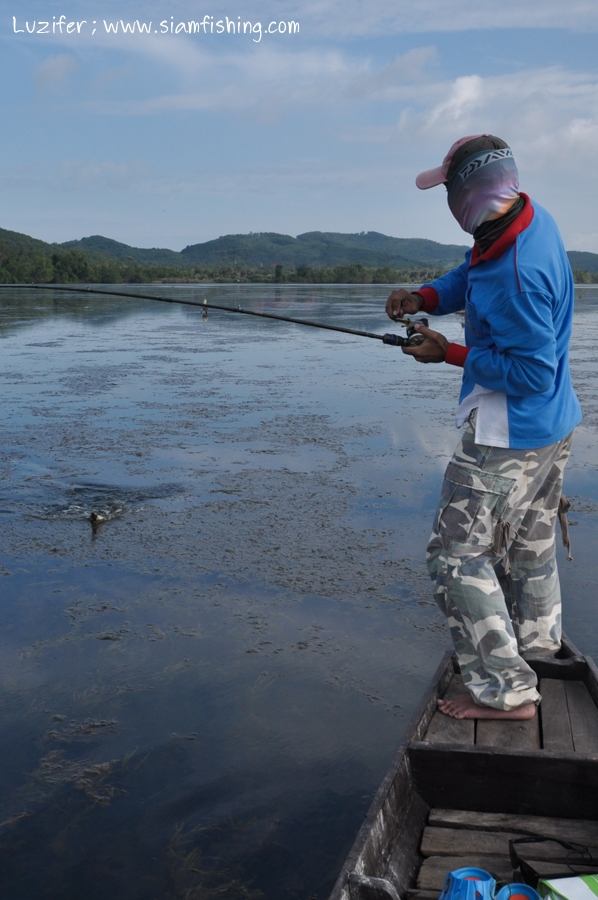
(200, 702)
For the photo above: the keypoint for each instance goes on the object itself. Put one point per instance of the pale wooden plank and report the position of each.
(551, 850)
(438, 842)
(579, 831)
(457, 841)
(508, 735)
(434, 869)
(554, 715)
(451, 841)
(583, 716)
(445, 730)
(556, 868)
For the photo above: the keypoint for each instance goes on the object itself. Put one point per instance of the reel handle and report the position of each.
(413, 339)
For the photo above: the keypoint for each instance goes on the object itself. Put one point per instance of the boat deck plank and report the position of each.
(556, 868)
(462, 842)
(445, 730)
(454, 838)
(513, 735)
(579, 831)
(568, 721)
(554, 713)
(583, 716)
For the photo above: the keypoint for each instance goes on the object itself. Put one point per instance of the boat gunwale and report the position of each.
(418, 721)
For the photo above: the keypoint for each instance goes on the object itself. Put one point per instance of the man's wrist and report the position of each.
(456, 354)
(429, 299)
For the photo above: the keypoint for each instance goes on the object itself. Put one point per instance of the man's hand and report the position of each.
(401, 303)
(431, 350)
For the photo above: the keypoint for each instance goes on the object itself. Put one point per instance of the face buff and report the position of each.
(484, 186)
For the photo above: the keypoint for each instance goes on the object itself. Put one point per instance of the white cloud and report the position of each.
(319, 20)
(177, 53)
(327, 92)
(395, 80)
(342, 18)
(353, 18)
(270, 80)
(465, 98)
(55, 70)
(549, 116)
(582, 134)
(543, 112)
(540, 109)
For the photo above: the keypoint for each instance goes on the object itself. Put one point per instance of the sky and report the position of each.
(167, 139)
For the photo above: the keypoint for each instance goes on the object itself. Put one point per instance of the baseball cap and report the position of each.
(457, 153)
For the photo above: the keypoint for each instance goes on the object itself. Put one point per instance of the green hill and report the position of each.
(106, 247)
(253, 256)
(15, 242)
(322, 248)
(313, 248)
(23, 258)
(583, 262)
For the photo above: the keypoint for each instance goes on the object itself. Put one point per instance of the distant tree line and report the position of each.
(582, 277)
(63, 266)
(73, 266)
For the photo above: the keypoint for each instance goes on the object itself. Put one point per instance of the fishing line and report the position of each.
(396, 340)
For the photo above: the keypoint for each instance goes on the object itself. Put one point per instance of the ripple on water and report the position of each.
(199, 701)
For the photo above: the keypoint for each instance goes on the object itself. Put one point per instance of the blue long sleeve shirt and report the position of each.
(518, 301)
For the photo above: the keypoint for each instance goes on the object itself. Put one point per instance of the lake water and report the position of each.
(201, 694)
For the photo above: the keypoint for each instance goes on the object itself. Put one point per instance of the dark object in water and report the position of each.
(97, 519)
(461, 790)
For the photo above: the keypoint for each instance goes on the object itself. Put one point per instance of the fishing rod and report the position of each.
(397, 340)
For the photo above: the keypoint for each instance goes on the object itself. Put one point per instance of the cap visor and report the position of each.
(430, 178)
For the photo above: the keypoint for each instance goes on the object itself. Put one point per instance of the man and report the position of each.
(496, 519)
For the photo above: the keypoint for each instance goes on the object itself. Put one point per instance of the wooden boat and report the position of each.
(460, 790)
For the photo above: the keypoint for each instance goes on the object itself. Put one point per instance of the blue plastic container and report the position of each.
(517, 891)
(469, 883)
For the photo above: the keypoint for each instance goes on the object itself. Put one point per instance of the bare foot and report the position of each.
(464, 707)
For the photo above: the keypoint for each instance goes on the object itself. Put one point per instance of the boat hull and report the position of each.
(459, 790)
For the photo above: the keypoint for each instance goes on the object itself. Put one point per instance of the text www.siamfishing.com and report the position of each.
(208, 25)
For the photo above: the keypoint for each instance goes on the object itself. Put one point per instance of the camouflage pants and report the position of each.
(492, 556)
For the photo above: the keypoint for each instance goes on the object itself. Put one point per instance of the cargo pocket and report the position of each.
(472, 506)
